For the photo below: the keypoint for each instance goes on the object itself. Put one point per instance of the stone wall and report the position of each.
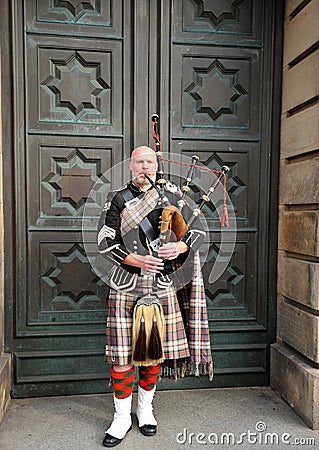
(5, 375)
(295, 356)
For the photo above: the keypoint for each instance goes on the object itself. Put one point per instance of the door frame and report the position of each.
(9, 142)
(13, 139)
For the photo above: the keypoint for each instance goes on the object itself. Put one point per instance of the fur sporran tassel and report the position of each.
(155, 350)
(148, 332)
(140, 346)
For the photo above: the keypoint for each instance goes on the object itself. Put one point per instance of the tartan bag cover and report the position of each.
(198, 328)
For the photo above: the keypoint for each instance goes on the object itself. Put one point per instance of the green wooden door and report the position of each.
(88, 75)
(219, 97)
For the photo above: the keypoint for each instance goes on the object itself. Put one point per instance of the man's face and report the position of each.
(143, 162)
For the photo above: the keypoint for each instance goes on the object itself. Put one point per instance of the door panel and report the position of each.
(219, 94)
(218, 21)
(66, 170)
(74, 85)
(97, 17)
(91, 74)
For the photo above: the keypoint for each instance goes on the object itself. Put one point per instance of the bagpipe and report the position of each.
(172, 222)
(148, 320)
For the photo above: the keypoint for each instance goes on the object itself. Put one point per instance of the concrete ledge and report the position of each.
(5, 383)
(296, 381)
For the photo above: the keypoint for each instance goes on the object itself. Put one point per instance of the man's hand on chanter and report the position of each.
(146, 262)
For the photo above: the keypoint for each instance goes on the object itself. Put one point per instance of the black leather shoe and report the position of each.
(111, 441)
(148, 430)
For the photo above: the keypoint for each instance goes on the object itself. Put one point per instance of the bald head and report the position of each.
(143, 161)
(142, 150)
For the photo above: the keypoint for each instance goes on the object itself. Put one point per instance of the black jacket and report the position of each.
(111, 244)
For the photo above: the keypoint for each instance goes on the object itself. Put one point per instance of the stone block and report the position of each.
(299, 232)
(296, 381)
(294, 89)
(298, 280)
(299, 329)
(300, 132)
(1, 226)
(5, 383)
(299, 182)
(301, 32)
(1, 322)
(291, 5)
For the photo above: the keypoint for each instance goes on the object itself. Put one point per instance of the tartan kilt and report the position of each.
(120, 321)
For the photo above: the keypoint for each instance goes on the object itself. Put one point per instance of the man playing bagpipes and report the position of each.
(150, 325)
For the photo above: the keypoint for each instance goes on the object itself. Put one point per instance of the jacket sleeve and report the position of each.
(109, 241)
